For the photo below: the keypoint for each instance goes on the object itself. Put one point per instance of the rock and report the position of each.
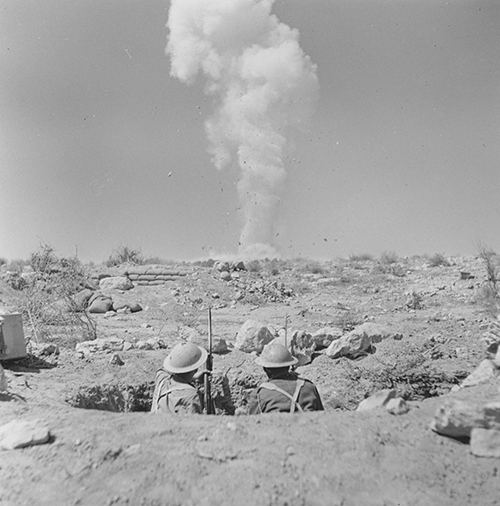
(376, 332)
(325, 336)
(377, 400)
(45, 349)
(485, 442)
(238, 266)
(110, 344)
(109, 314)
(116, 283)
(146, 326)
(457, 419)
(132, 307)
(22, 433)
(219, 346)
(225, 276)
(252, 336)
(116, 360)
(3, 380)
(397, 406)
(127, 345)
(492, 415)
(81, 299)
(144, 345)
(235, 275)
(483, 373)
(100, 304)
(222, 266)
(351, 345)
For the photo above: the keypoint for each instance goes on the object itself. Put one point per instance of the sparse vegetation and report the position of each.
(125, 255)
(388, 258)
(363, 257)
(489, 294)
(438, 260)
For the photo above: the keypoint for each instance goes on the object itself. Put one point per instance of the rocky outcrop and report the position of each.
(116, 283)
(252, 337)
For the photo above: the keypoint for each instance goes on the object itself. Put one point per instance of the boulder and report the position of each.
(3, 380)
(397, 406)
(485, 442)
(100, 304)
(483, 373)
(457, 419)
(352, 345)
(116, 283)
(377, 400)
(219, 345)
(124, 306)
(376, 332)
(222, 266)
(323, 337)
(492, 415)
(253, 336)
(225, 276)
(144, 345)
(22, 433)
(97, 345)
(81, 299)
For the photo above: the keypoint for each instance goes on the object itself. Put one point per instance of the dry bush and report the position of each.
(363, 257)
(125, 255)
(438, 260)
(46, 300)
(388, 257)
(253, 266)
(313, 267)
(489, 295)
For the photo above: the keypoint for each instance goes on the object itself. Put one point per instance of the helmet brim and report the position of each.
(274, 365)
(179, 370)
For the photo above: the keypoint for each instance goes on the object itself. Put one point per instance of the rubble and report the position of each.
(484, 372)
(22, 433)
(45, 349)
(116, 360)
(323, 337)
(252, 336)
(100, 344)
(397, 406)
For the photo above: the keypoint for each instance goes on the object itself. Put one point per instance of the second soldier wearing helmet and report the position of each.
(284, 391)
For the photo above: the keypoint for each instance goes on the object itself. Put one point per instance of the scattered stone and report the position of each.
(239, 296)
(225, 276)
(397, 406)
(235, 275)
(116, 360)
(22, 433)
(45, 349)
(376, 332)
(3, 380)
(492, 415)
(253, 336)
(483, 373)
(219, 346)
(485, 442)
(81, 299)
(239, 266)
(457, 419)
(127, 345)
(135, 307)
(109, 314)
(116, 283)
(144, 345)
(323, 337)
(466, 275)
(377, 400)
(110, 344)
(146, 326)
(100, 304)
(222, 266)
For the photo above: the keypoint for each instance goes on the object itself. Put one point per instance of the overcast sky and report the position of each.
(99, 146)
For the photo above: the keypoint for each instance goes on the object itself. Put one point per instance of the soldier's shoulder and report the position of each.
(307, 382)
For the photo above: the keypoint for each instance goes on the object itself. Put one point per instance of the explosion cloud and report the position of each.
(262, 84)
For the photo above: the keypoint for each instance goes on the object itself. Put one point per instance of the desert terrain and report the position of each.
(88, 379)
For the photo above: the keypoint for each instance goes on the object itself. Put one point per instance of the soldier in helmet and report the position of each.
(285, 391)
(174, 389)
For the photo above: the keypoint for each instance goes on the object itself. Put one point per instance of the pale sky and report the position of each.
(402, 152)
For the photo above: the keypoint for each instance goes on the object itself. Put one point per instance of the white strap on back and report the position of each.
(293, 398)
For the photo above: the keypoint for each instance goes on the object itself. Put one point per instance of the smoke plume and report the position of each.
(262, 84)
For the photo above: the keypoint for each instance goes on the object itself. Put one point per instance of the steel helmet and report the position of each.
(275, 355)
(185, 357)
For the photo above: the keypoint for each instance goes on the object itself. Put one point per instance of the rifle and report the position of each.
(208, 393)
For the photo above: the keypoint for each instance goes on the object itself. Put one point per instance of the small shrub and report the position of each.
(17, 265)
(253, 266)
(125, 255)
(438, 260)
(490, 259)
(363, 257)
(313, 267)
(388, 257)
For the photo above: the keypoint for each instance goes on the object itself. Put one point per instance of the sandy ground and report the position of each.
(339, 457)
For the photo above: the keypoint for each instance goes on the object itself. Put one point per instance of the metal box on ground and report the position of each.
(12, 343)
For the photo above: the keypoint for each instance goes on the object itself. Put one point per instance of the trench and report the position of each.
(132, 397)
(229, 394)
